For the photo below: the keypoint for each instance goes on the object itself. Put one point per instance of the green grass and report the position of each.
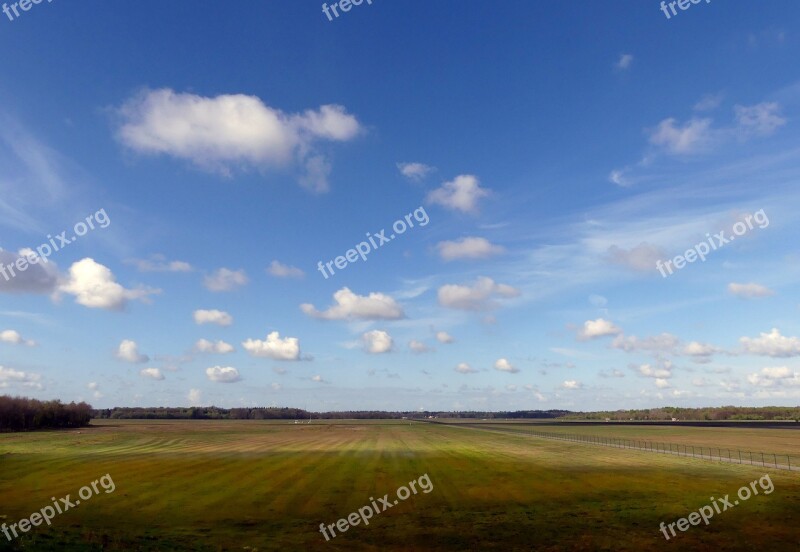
(228, 485)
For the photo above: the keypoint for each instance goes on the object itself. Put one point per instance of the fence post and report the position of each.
(776, 460)
(762, 459)
(692, 451)
(740, 455)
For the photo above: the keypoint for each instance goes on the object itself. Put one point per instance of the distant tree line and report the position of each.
(21, 414)
(766, 413)
(273, 413)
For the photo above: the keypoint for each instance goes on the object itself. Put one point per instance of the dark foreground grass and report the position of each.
(239, 485)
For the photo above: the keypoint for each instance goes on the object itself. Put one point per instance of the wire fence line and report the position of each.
(717, 454)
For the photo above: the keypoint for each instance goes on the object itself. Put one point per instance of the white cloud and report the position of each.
(651, 371)
(152, 373)
(128, 351)
(503, 365)
(772, 344)
(14, 337)
(280, 270)
(233, 131)
(195, 396)
(697, 349)
(274, 347)
(749, 291)
(693, 137)
(227, 374)
(592, 329)
(444, 337)
(761, 119)
(159, 263)
(377, 341)
(468, 248)
(276, 386)
(418, 347)
(464, 368)
(460, 194)
(778, 376)
(350, 306)
(624, 61)
(571, 384)
(664, 343)
(219, 347)
(220, 318)
(414, 171)
(641, 258)
(662, 383)
(94, 286)
(479, 296)
(612, 374)
(10, 377)
(225, 279)
(318, 379)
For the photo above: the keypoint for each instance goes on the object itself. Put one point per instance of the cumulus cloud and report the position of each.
(418, 347)
(662, 383)
(37, 278)
(377, 341)
(478, 296)
(664, 343)
(444, 337)
(650, 371)
(95, 287)
(16, 378)
(749, 291)
(220, 318)
(218, 347)
(195, 396)
(280, 270)
(460, 194)
(225, 279)
(468, 248)
(128, 351)
(641, 258)
(571, 385)
(464, 368)
(14, 337)
(159, 263)
(350, 306)
(233, 131)
(778, 376)
(772, 344)
(592, 329)
(220, 374)
(319, 379)
(414, 171)
(274, 347)
(152, 373)
(700, 350)
(503, 365)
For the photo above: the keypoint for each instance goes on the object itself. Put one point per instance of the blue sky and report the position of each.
(556, 151)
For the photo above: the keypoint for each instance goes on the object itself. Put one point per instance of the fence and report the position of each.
(733, 456)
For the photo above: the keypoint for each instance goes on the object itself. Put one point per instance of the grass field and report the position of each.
(246, 485)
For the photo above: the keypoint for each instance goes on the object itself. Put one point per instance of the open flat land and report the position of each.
(247, 485)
